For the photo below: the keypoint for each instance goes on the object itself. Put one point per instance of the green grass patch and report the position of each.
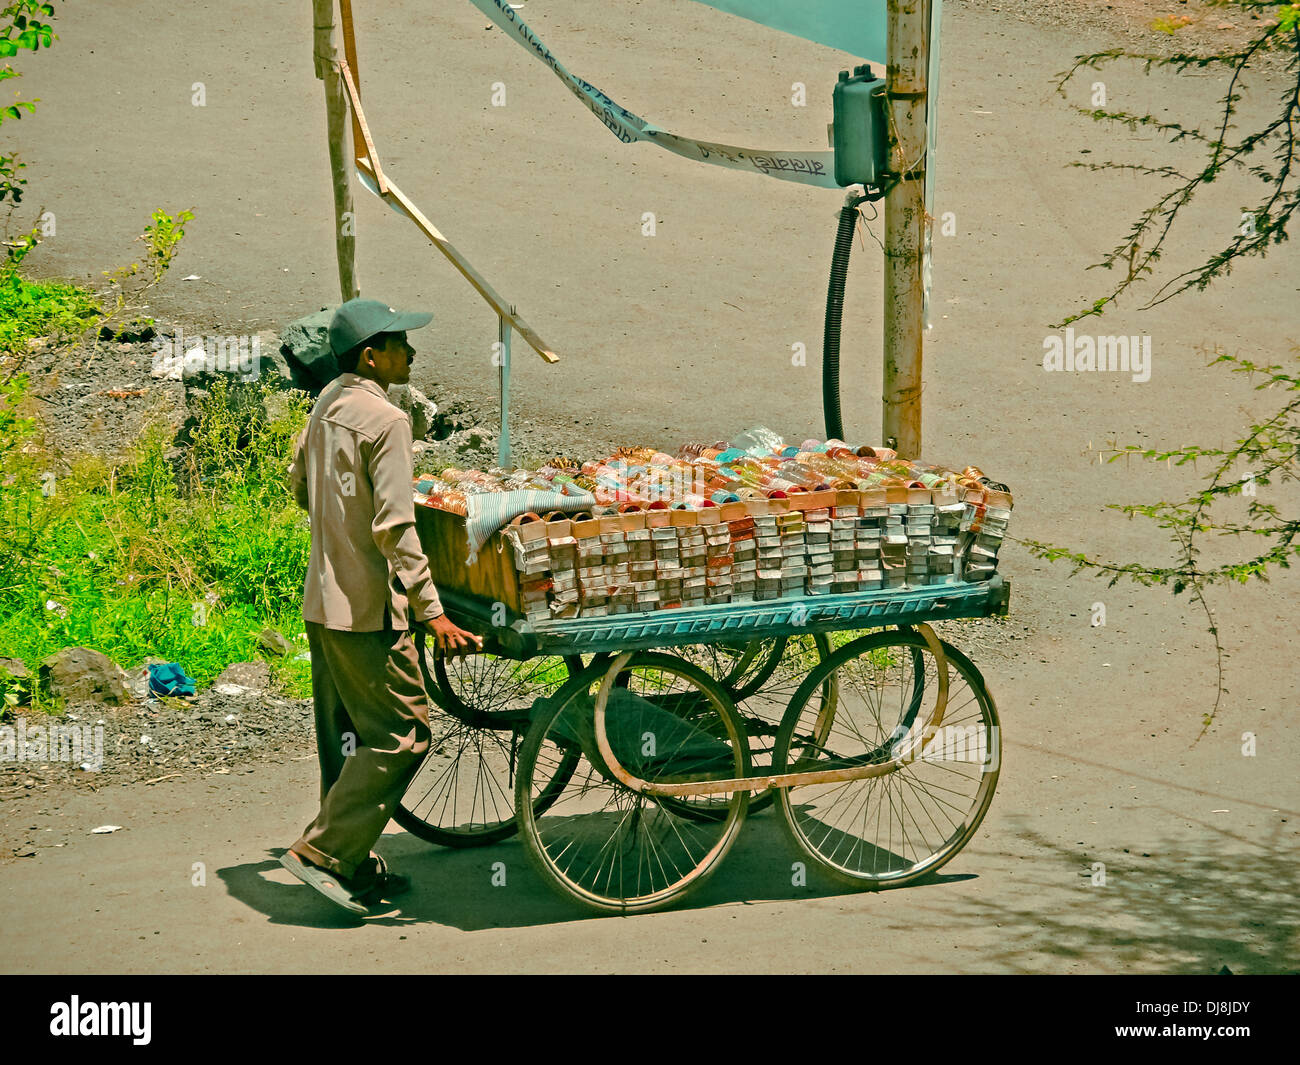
(30, 309)
(182, 561)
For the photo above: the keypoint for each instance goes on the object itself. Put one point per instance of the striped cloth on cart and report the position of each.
(488, 511)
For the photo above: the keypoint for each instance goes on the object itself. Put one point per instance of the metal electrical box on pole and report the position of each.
(905, 223)
(859, 128)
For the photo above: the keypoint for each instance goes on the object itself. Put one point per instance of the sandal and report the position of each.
(374, 882)
(334, 888)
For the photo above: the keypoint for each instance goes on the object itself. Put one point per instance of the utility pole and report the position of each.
(905, 89)
(326, 63)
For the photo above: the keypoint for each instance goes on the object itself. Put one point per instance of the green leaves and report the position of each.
(1270, 451)
(24, 17)
(41, 308)
(1280, 185)
(164, 237)
(15, 110)
(1267, 455)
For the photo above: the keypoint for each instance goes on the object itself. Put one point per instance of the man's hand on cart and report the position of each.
(451, 639)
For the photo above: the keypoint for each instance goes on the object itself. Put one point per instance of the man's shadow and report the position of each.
(470, 890)
(497, 887)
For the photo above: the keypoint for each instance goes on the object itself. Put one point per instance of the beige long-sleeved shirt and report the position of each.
(352, 472)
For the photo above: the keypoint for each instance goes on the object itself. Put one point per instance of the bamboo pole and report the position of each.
(326, 63)
(905, 226)
(504, 329)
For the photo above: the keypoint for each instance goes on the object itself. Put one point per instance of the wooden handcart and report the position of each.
(627, 750)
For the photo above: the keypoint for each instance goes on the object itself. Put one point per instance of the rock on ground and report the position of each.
(418, 407)
(253, 675)
(305, 345)
(83, 673)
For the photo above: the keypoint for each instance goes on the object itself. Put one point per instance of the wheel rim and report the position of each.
(602, 843)
(763, 710)
(902, 825)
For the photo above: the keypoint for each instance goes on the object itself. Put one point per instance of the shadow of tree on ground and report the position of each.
(1180, 907)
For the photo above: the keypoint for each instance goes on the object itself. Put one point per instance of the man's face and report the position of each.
(391, 360)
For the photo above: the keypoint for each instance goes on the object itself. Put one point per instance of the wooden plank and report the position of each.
(396, 197)
(359, 120)
(391, 194)
(350, 54)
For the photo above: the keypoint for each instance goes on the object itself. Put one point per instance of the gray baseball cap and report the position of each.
(359, 320)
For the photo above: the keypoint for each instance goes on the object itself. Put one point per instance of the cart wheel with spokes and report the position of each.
(934, 785)
(602, 842)
(463, 793)
(761, 678)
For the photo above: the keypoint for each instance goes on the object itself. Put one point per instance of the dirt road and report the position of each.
(689, 335)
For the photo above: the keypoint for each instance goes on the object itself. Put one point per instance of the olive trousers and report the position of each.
(372, 732)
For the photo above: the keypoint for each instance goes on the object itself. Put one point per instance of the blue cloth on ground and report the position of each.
(169, 679)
